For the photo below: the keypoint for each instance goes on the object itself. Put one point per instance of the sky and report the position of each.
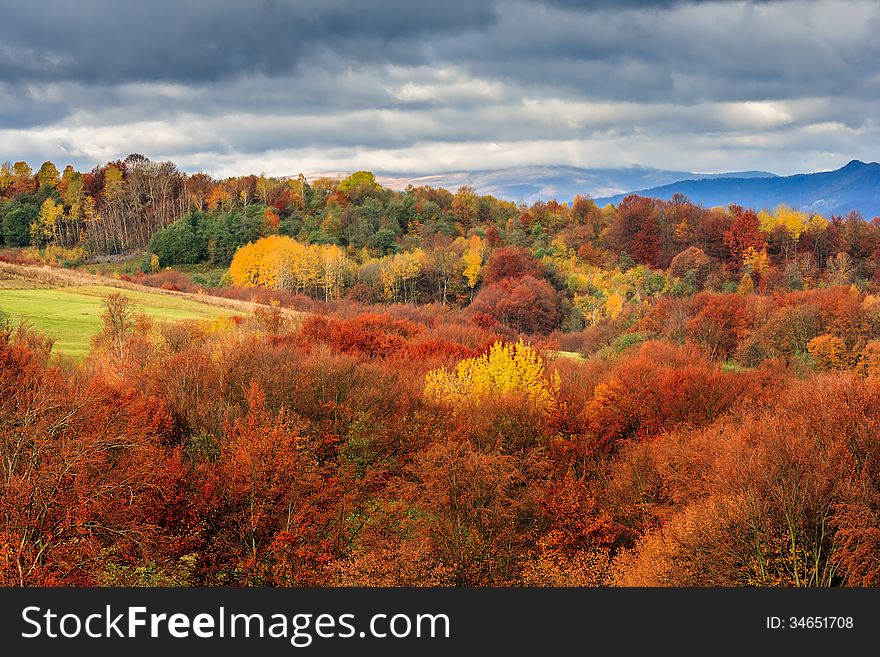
(288, 86)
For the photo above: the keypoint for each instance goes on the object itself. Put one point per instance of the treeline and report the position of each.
(122, 205)
(407, 445)
(114, 208)
(352, 238)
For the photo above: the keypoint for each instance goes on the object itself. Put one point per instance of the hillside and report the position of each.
(855, 186)
(564, 385)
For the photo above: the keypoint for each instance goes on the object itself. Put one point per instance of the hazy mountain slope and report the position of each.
(530, 183)
(855, 186)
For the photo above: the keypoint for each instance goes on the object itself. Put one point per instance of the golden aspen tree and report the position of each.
(113, 182)
(473, 261)
(244, 270)
(305, 266)
(46, 228)
(282, 263)
(276, 254)
(333, 261)
(793, 223)
(466, 207)
(399, 273)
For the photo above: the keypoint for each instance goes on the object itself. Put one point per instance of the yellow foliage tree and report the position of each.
(756, 262)
(506, 369)
(48, 224)
(332, 274)
(88, 209)
(268, 262)
(746, 285)
(48, 174)
(682, 232)
(219, 198)
(870, 359)
(282, 263)
(473, 261)
(614, 305)
(6, 176)
(829, 352)
(793, 222)
(399, 273)
(246, 265)
(816, 224)
(466, 206)
(113, 182)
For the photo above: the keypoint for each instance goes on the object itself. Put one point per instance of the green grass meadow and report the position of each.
(72, 315)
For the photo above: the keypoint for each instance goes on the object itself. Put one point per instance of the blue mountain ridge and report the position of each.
(855, 186)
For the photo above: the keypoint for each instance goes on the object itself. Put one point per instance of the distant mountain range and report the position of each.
(855, 186)
(531, 183)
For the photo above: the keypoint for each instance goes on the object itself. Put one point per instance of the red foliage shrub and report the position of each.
(266, 296)
(525, 304)
(575, 521)
(374, 335)
(436, 350)
(483, 320)
(510, 262)
(471, 503)
(663, 386)
(83, 466)
(783, 496)
(353, 337)
(17, 257)
(720, 321)
(260, 529)
(468, 335)
(167, 279)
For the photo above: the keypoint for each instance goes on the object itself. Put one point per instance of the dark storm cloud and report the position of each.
(205, 40)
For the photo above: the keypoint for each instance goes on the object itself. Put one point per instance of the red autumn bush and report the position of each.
(525, 304)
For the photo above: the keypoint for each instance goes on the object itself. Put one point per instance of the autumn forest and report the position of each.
(437, 388)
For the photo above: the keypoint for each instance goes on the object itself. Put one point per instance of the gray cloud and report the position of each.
(690, 53)
(312, 85)
(207, 40)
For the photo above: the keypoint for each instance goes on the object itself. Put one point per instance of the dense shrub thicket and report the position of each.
(720, 439)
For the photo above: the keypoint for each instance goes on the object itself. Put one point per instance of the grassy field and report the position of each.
(72, 315)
